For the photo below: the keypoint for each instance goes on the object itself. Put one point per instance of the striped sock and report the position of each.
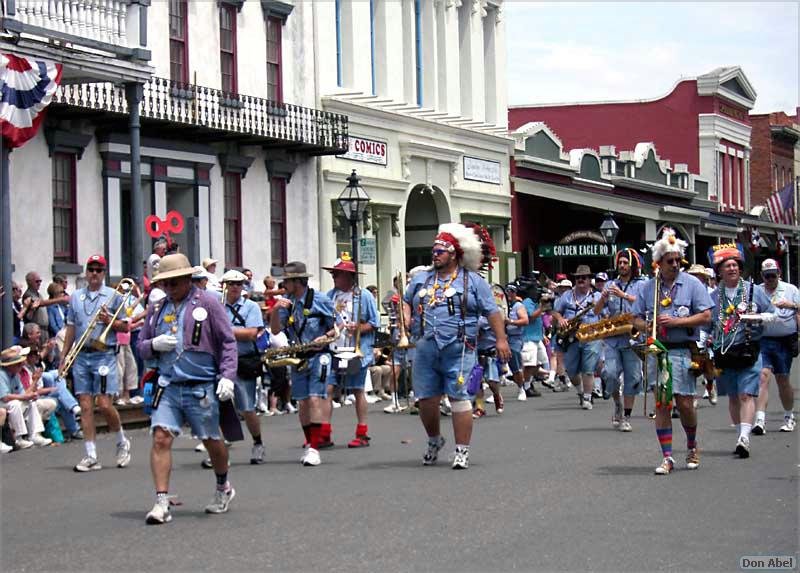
(691, 436)
(665, 440)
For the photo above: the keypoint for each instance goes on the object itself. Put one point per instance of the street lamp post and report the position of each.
(609, 229)
(354, 201)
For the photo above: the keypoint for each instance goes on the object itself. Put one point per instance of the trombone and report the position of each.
(125, 290)
(402, 341)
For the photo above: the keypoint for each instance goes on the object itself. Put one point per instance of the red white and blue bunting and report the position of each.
(26, 89)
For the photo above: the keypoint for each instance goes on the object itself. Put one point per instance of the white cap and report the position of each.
(199, 273)
(565, 283)
(710, 272)
(770, 265)
(234, 276)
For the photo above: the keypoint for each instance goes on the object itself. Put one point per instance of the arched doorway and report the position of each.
(426, 209)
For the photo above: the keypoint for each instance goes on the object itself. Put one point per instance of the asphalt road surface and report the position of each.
(550, 487)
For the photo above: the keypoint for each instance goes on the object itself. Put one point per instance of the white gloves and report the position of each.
(164, 343)
(225, 389)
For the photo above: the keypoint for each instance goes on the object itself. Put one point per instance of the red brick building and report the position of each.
(774, 139)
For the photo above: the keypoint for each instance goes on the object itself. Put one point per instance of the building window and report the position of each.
(232, 184)
(227, 47)
(775, 178)
(274, 57)
(178, 41)
(277, 216)
(64, 241)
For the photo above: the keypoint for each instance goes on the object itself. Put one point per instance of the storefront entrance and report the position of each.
(425, 211)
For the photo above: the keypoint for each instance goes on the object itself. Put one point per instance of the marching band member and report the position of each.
(246, 320)
(189, 336)
(94, 372)
(347, 303)
(487, 358)
(516, 320)
(307, 316)
(448, 300)
(740, 308)
(618, 298)
(580, 358)
(683, 308)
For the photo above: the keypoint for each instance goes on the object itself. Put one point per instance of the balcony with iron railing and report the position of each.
(93, 39)
(203, 114)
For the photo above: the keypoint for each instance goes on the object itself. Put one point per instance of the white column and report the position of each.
(160, 193)
(490, 50)
(325, 44)
(449, 76)
(204, 221)
(499, 62)
(356, 56)
(409, 52)
(388, 49)
(430, 56)
(472, 68)
(114, 215)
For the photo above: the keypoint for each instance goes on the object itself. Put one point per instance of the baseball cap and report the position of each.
(565, 283)
(97, 260)
(601, 277)
(770, 265)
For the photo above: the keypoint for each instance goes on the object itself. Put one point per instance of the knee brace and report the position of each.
(460, 405)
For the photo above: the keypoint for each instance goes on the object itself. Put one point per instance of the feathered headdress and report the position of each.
(470, 242)
(668, 243)
(633, 258)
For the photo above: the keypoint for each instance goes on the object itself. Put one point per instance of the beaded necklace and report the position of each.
(668, 294)
(438, 291)
(729, 314)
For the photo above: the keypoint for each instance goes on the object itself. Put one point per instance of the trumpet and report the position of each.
(124, 289)
(402, 341)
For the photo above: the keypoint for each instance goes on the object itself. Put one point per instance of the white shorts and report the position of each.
(534, 354)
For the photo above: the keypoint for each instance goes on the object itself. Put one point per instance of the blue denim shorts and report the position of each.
(86, 376)
(182, 403)
(684, 382)
(622, 360)
(436, 371)
(244, 392)
(515, 364)
(312, 381)
(582, 358)
(735, 381)
(775, 356)
(349, 382)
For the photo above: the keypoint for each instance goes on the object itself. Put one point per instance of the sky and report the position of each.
(598, 51)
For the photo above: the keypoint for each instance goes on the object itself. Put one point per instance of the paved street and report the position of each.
(550, 488)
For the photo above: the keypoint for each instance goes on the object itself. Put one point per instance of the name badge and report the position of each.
(683, 311)
(421, 293)
(449, 293)
(199, 314)
(742, 307)
(103, 370)
(82, 297)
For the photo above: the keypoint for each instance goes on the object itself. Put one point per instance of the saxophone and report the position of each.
(566, 336)
(296, 354)
(614, 326)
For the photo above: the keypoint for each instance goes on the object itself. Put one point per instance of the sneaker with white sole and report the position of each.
(759, 429)
(350, 400)
(334, 403)
(692, 459)
(221, 500)
(292, 410)
(22, 444)
(788, 425)
(625, 425)
(712, 397)
(522, 396)
(742, 447)
(394, 409)
(201, 447)
(88, 464)
(490, 399)
(586, 405)
(257, 454)
(124, 453)
(5, 448)
(40, 440)
(311, 458)
(615, 421)
(666, 467)
(461, 459)
(432, 453)
(159, 515)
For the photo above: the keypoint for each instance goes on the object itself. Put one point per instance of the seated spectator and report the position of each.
(48, 384)
(381, 375)
(4, 447)
(57, 312)
(48, 352)
(25, 409)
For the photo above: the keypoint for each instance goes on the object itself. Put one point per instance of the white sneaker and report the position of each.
(586, 405)
(625, 425)
(432, 453)
(615, 421)
(221, 500)
(160, 514)
(334, 403)
(743, 447)
(257, 454)
(201, 447)
(384, 396)
(461, 460)
(372, 399)
(124, 453)
(759, 428)
(23, 444)
(350, 400)
(311, 457)
(40, 440)
(522, 396)
(490, 399)
(291, 409)
(88, 464)
(788, 425)
(394, 409)
(712, 397)
(5, 448)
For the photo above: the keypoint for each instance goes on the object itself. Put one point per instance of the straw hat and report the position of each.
(208, 262)
(583, 270)
(13, 355)
(173, 266)
(696, 269)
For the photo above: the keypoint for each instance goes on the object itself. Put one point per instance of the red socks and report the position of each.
(326, 430)
(361, 430)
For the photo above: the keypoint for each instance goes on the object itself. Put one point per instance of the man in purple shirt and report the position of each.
(188, 336)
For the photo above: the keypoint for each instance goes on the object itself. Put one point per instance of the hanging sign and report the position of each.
(366, 150)
(578, 250)
(481, 170)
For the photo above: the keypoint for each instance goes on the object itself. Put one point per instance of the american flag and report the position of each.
(781, 205)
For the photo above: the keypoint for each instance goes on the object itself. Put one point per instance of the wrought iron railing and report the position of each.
(214, 109)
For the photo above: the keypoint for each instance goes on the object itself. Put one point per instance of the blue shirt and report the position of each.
(737, 334)
(688, 296)
(443, 320)
(180, 365)
(534, 332)
(84, 304)
(306, 326)
(9, 384)
(785, 322)
(251, 313)
(56, 318)
(514, 332)
(615, 306)
(367, 310)
(570, 303)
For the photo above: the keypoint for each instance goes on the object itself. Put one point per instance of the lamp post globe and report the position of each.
(354, 200)
(609, 228)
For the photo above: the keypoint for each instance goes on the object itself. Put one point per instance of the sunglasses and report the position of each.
(769, 276)
(169, 283)
(672, 262)
(237, 283)
(582, 278)
(94, 270)
(436, 252)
